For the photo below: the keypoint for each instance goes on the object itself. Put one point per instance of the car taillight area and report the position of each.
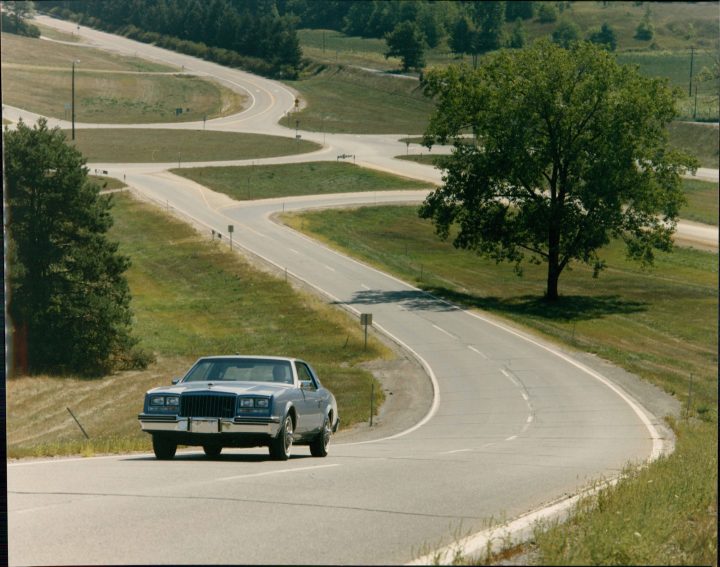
(207, 405)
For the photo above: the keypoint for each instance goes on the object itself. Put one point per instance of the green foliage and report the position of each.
(566, 33)
(407, 42)
(517, 37)
(556, 174)
(251, 34)
(605, 36)
(519, 10)
(70, 301)
(644, 31)
(547, 13)
(14, 16)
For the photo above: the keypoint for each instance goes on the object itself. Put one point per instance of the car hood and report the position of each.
(250, 388)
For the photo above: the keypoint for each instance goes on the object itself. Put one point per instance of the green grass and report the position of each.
(702, 205)
(25, 51)
(191, 297)
(699, 140)
(358, 51)
(52, 33)
(145, 146)
(314, 178)
(351, 100)
(659, 324)
(665, 514)
(37, 76)
(106, 183)
(426, 159)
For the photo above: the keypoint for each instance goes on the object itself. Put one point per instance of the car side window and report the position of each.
(305, 374)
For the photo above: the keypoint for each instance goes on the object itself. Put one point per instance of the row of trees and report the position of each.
(252, 28)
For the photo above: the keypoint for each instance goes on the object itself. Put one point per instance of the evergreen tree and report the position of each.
(407, 42)
(70, 301)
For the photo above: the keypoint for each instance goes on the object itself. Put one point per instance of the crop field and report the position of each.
(191, 297)
(37, 76)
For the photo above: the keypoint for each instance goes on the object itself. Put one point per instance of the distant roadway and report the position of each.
(514, 422)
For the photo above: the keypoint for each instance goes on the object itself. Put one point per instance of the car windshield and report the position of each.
(240, 370)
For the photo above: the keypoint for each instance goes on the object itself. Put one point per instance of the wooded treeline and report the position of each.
(214, 29)
(260, 35)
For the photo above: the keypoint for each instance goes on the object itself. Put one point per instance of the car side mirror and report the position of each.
(306, 385)
(175, 381)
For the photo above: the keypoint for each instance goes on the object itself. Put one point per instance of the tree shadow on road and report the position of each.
(566, 308)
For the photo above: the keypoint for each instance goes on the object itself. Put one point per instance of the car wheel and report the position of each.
(281, 445)
(319, 445)
(212, 451)
(163, 448)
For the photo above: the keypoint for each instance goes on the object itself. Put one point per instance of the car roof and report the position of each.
(250, 357)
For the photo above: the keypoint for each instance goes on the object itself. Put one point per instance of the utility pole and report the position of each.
(72, 112)
(692, 56)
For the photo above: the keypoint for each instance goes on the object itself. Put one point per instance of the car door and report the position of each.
(312, 416)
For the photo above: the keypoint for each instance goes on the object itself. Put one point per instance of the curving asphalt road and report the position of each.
(514, 422)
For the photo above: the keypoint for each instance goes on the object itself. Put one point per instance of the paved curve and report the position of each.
(514, 424)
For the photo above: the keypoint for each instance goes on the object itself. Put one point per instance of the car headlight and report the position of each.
(253, 405)
(164, 403)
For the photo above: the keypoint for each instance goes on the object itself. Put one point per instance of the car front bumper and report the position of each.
(199, 426)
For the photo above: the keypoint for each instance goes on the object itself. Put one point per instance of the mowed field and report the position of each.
(37, 76)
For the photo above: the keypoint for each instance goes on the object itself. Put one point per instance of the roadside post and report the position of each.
(231, 229)
(365, 320)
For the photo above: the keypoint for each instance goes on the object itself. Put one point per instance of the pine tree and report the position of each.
(70, 301)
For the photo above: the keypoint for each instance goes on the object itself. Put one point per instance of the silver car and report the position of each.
(242, 401)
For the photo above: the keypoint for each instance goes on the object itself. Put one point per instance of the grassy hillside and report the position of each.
(678, 27)
(191, 297)
(37, 76)
(345, 99)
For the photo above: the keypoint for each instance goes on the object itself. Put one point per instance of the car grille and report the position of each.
(204, 405)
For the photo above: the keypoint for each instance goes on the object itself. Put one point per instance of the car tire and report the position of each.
(163, 448)
(281, 445)
(212, 451)
(319, 445)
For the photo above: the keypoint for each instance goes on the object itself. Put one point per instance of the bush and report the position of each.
(18, 26)
(547, 14)
(644, 31)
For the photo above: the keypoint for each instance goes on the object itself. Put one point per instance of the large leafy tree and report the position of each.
(571, 151)
(69, 300)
